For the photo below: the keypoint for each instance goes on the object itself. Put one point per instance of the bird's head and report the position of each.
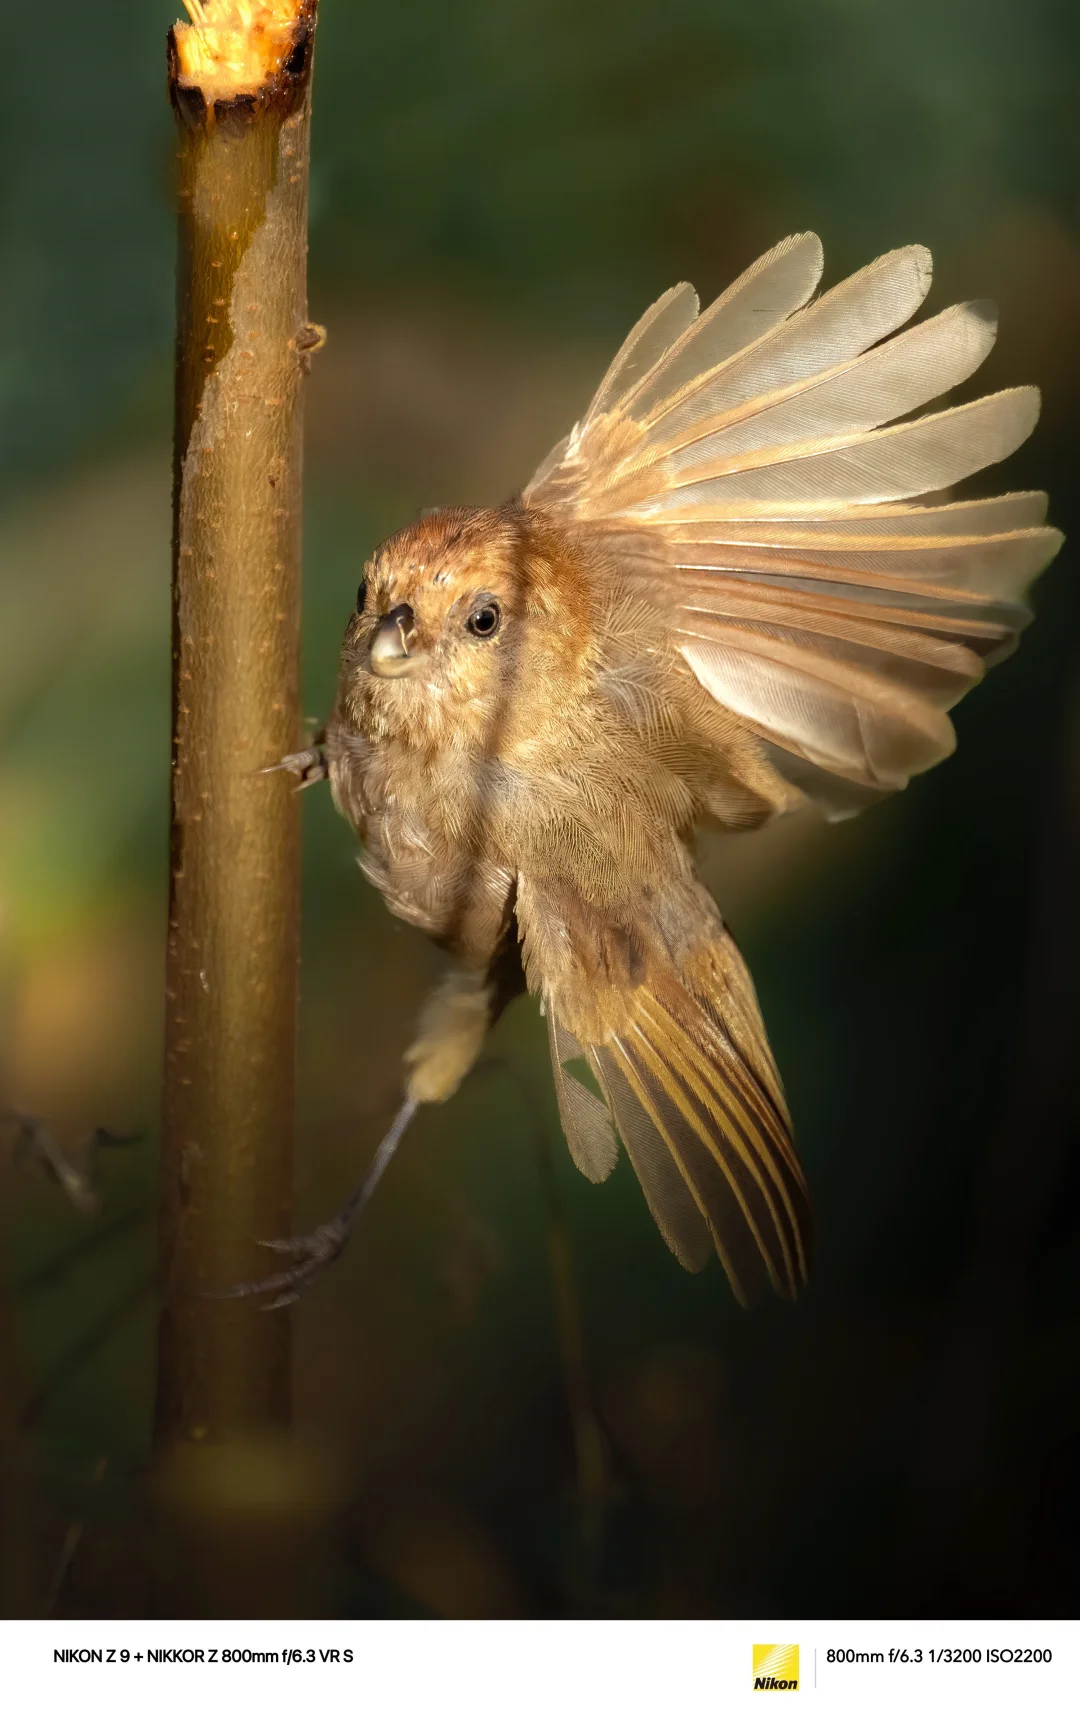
(452, 612)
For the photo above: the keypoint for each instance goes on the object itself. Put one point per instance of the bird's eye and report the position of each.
(361, 595)
(485, 621)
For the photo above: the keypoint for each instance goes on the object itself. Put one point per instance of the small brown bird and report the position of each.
(729, 591)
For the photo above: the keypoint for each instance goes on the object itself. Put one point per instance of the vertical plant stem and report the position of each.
(233, 941)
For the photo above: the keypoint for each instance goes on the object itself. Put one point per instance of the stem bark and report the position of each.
(243, 344)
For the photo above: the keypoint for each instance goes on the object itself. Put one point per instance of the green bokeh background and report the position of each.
(498, 188)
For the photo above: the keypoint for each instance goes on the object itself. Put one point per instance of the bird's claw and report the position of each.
(312, 1254)
(307, 767)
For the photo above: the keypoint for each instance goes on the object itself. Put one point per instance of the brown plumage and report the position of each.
(731, 589)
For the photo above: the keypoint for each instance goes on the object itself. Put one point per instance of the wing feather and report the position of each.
(825, 710)
(992, 567)
(967, 518)
(644, 347)
(761, 299)
(877, 387)
(839, 326)
(751, 473)
(882, 465)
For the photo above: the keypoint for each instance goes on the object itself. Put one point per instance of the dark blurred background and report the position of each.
(499, 187)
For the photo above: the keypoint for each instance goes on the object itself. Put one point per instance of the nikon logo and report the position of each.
(776, 1667)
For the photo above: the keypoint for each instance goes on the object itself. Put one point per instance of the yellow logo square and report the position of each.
(776, 1667)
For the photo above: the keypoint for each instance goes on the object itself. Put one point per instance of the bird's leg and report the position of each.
(314, 1252)
(307, 767)
(453, 1023)
(452, 1027)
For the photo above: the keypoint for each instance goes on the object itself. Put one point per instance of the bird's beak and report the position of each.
(393, 652)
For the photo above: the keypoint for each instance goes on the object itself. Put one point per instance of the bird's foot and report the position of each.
(314, 1252)
(307, 767)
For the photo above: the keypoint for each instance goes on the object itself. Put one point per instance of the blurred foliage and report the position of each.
(565, 159)
(499, 186)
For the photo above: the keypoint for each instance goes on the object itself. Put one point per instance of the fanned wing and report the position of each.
(755, 471)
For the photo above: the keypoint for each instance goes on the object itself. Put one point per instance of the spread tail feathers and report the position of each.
(691, 1085)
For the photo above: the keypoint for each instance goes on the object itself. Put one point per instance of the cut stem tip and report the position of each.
(235, 47)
